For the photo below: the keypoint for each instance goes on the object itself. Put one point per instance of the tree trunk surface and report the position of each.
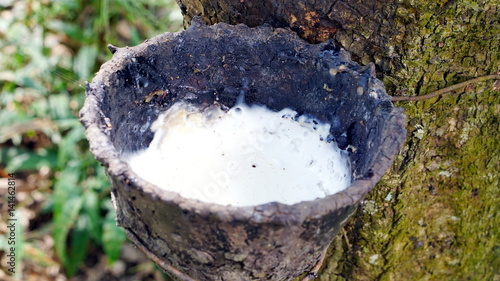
(435, 214)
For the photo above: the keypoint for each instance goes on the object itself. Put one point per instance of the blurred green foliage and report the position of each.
(48, 49)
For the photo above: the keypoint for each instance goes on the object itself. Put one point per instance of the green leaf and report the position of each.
(20, 159)
(63, 223)
(91, 209)
(68, 147)
(79, 244)
(72, 30)
(9, 117)
(40, 107)
(59, 108)
(113, 237)
(67, 205)
(84, 62)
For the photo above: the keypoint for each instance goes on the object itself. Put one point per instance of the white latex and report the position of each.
(247, 156)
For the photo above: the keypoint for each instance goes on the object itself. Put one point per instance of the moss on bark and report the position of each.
(435, 215)
(443, 43)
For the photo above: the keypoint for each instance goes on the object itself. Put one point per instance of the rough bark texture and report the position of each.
(435, 215)
(193, 240)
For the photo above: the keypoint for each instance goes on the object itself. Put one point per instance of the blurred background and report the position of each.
(65, 220)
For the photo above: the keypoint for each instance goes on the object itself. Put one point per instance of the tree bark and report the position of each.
(435, 215)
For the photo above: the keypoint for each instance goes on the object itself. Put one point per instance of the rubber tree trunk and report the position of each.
(435, 215)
